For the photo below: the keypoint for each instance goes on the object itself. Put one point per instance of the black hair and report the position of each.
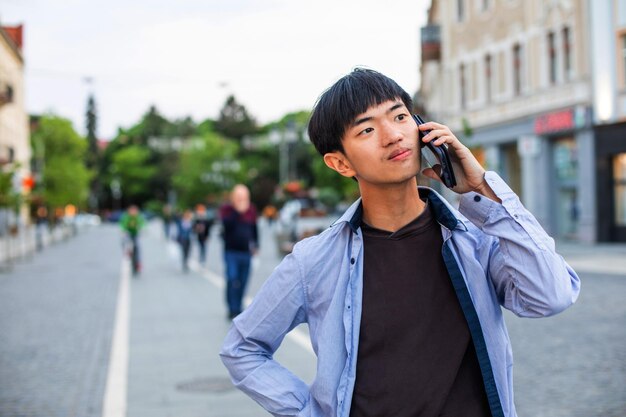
(340, 104)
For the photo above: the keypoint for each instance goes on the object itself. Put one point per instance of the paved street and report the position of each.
(59, 316)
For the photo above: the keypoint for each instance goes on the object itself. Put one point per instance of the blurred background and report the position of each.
(166, 106)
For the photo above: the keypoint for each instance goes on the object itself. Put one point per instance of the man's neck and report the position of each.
(393, 207)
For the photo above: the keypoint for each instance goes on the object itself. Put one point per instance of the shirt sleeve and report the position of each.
(530, 278)
(255, 335)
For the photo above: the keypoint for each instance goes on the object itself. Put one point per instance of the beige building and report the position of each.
(513, 79)
(15, 150)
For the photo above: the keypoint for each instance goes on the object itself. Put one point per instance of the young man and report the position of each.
(402, 294)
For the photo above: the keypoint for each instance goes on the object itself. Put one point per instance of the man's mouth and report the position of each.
(399, 154)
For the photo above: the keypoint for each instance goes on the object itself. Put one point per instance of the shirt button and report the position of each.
(477, 198)
(352, 261)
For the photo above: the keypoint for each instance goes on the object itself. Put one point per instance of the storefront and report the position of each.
(548, 161)
(611, 182)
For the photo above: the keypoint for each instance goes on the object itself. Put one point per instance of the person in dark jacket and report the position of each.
(240, 234)
(183, 236)
(202, 227)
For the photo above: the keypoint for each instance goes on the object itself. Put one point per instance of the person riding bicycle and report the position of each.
(132, 222)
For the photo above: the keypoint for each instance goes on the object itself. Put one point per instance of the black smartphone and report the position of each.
(441, 154)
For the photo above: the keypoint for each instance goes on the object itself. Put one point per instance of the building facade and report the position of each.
(523, 83)
(15, 149)
(610, 121)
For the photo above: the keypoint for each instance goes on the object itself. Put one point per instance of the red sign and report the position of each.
(555, 122)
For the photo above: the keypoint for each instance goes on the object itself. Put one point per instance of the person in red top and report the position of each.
(240, 234)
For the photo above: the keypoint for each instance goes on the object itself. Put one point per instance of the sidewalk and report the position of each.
(598, 258)
(177, 325)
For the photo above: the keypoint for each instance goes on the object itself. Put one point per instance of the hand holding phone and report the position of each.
(441, 153)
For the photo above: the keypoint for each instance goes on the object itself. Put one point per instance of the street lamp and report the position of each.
(284, 138)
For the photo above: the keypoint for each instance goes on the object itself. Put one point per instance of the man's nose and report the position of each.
(390, 134)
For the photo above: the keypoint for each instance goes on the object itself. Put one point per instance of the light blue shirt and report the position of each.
(496, 255)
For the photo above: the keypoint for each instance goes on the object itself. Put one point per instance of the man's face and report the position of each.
(381, 146)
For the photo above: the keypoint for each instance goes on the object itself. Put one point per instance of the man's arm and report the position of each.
(257, 333)
(530, 278)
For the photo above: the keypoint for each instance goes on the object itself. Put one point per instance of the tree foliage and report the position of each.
(131, 168)
(207, 168)
(65, 176)
(92, 140)
(8, 196)
(234, 121)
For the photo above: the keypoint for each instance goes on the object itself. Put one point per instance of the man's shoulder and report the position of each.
(321, 244)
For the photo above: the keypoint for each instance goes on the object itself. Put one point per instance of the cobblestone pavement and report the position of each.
(57, 312)
(56, 315)
(574, 364)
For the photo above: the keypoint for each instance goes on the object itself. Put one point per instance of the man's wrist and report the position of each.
(484, 189)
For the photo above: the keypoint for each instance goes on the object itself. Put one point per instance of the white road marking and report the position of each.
(117, 379)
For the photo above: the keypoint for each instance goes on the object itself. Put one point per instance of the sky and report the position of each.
(186, 56)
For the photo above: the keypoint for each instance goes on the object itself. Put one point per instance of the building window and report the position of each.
(623, 59)
(619, 181)
(460, 10)
(552, 58)
(517, 69)
(488, 78)
(463, 86)
(567, 54)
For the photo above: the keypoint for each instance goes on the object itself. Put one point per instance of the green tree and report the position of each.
(130, 166)
(330, 183)
(92, 140)
(8, 197)
(207, 168)
(65, 176)
(234, 121)
(92, 156)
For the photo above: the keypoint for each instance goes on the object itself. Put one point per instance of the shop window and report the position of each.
(566, 203)
(619, 181)
(566, 160)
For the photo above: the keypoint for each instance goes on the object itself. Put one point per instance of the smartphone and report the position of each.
(441, 155)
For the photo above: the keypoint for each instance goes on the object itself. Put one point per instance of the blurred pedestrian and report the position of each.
(270, 213)
(184, 231)
(240, 234)
(202, 227)
(403, 294)
(41, 226)
(167, 216)
(131, 222)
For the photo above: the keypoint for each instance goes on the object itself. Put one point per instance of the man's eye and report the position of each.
(401, 116)
(366, 130)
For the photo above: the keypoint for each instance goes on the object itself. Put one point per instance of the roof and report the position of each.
(14, 36)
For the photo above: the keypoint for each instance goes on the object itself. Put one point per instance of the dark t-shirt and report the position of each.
(415, 357)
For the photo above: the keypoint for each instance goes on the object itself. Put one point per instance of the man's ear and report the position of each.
(337, 161)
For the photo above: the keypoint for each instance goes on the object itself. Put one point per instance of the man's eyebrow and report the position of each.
(368, 118)
(395, 106)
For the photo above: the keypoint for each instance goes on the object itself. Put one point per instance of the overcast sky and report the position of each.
(186, 56)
